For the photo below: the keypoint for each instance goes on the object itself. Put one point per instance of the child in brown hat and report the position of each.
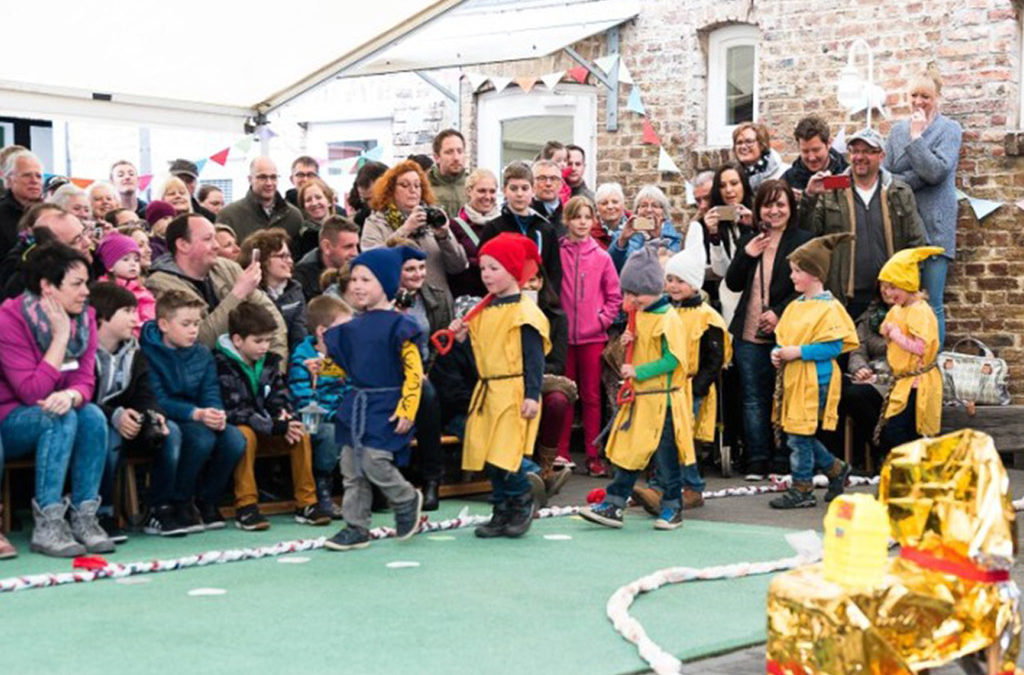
(813, 331)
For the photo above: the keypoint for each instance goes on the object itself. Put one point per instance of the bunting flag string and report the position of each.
(525, 83)
(650, 136)
(634, 103)
(221, 157)
(607, 63)
(665, 163)
(579, 73)
(144, 182)
(983, 207)
(552, 79)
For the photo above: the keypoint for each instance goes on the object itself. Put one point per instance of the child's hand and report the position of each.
(403, 426)
(313, 365)
(889, 330)
(530, 409)
(784, 354)
(460, 329)
(211, 417)
(864, 375)
(130, 424)
(628, 371)
(626, 337)
(295, 432)
(162, 421)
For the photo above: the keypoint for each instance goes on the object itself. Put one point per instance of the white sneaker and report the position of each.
(754, 477)
(562, 462)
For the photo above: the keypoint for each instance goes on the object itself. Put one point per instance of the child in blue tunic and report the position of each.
(377, 350)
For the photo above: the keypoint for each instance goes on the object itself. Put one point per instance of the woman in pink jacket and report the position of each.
(591, 298)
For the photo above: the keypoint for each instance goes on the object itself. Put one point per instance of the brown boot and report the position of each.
(554, 478)
(692, 499)
(7, 550)
(649, 498)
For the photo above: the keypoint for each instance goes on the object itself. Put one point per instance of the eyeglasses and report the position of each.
(286, 255)
(305, 174)
(745, 142)
(266, 177)
(547, 179)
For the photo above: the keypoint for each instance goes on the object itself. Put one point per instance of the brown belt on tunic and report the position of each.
(477, 404)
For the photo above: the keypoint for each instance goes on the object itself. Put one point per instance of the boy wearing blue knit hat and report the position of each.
(377, 350)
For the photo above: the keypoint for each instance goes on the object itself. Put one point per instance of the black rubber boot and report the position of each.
(430, 496)
(521, 515)
(496, 526)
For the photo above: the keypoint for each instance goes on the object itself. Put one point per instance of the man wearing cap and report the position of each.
(262, 207)
(23, 176)
(125, 179)
(877, 209)
(188, 172)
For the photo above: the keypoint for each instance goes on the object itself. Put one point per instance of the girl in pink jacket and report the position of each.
(591, 298)
(121, 257)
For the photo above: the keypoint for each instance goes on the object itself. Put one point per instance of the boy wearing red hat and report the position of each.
(509, 340)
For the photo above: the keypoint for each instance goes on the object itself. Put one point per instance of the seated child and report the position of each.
(813, 330)
(913, 405)
(137, 423)
(509, 340)
(313, 376)
(184, 380)
(257, 402)
(710, 348)
(375, 420)
(122, 259)
(657, 423)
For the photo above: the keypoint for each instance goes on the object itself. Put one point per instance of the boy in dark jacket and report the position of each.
(256, 398)
(137, 423)
(184, 380)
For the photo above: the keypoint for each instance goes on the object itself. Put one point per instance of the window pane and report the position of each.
(522, 138)
(739, 92)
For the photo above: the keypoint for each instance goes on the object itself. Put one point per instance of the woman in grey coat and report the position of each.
(923, 152)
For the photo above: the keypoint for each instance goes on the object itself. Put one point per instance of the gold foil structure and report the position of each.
(947, 594)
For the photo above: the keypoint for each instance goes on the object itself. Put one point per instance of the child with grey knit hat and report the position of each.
(654, 420)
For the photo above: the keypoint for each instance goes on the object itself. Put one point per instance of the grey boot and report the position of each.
(51, 534)
(323, 495)
(86, 528)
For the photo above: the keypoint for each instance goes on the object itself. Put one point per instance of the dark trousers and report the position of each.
(429, 451)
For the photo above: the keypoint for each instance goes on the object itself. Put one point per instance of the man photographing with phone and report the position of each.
(876, 208)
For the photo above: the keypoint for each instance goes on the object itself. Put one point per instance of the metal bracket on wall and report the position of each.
(610, 81)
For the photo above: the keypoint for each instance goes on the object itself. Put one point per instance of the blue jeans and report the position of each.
(77, 439)
(901, 428)
(326, 451)
(807, 453)
(933, 280)
(219, 452)
(507, 484)
(666, 463)
(162, 473)
(692, 480)
(757, 379)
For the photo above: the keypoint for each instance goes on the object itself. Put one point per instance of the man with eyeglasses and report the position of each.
(42, 223)
(125, 179)
(23, 176)
(547, 181)
(304, 168)
(262, 207)
(876, 208)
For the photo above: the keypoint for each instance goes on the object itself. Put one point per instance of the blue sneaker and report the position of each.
(604, 513)
(349, 538)
(670, 519)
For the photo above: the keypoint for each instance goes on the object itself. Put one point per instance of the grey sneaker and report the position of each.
(349, 538)
(85, 526)
(837, 484)
(407, 517)
(794, 499)
(52, 534)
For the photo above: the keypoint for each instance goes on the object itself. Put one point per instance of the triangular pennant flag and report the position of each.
(983, 207)
(265, 133)
(634, 103)
(839, 142)
(244, 145)
(476, 80)
(1020, 204)
(665, 163)
(83, 182)
(650, 135)
(347, 165)
(500, 83)
(47, 176)
(579, 73)
(376, 153)
(144, 181)
(691, 198)
(552, 79)
(960, 195)
(526, 83)
(606, 63)
(221, 157)
(625, 77)
(200, 163)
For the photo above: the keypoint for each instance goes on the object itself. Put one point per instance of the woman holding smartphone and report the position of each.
(653, 220)
(724, 224)
(759, 272)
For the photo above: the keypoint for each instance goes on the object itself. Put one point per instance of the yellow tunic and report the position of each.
(805, 322)
(917, 320)
(496, 432)
(633, 447)
(696, 320)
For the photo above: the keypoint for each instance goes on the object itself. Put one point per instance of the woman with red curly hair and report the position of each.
(401, 203)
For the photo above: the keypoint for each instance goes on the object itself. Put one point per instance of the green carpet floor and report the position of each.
(533, 605)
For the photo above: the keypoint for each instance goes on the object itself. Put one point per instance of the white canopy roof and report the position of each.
(212, 64)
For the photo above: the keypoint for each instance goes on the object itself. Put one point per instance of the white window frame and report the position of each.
(720, 41)
(576, 101)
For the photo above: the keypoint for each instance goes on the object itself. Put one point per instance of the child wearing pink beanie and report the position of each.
(121, 258)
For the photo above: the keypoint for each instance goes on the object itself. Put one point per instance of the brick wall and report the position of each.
(803, 48)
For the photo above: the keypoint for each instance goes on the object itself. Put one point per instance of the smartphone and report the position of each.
(256, 255)
(641, 224)
(836, 182)
(726, 212)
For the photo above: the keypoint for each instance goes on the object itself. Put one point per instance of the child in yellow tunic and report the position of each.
(915, 401)
(814, 329)
(509, 340)
(658, 422)
(710, 349)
